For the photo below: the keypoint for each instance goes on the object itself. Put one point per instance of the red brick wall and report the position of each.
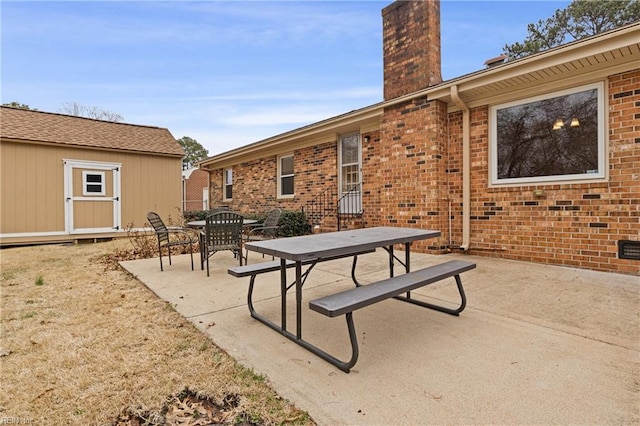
(197, 180)
(255, 182)
(411, 176)
(570, 224)
(411, 46)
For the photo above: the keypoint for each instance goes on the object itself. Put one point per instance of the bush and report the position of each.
(193, 215)
(293, 223)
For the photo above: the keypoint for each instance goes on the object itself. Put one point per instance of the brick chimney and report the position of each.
(411, 44)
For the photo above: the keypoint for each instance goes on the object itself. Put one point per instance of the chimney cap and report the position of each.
(495, 61)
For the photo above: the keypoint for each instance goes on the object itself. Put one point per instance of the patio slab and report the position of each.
(537, 344)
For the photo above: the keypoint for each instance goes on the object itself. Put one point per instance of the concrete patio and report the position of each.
(537, 344)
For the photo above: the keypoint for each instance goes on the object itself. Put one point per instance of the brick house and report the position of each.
(195, 189)
(536, 159)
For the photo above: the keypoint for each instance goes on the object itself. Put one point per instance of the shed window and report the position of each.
(228, 184)
(93, 183)
(285, 176)
(553, 138)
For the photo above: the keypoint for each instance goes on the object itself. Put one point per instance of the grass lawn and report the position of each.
(83, 342)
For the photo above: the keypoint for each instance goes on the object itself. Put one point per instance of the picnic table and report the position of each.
(308, 250)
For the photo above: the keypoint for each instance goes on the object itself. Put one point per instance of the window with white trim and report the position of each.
(93, 183)
(285, 176)
(228, 184)
(552, 138)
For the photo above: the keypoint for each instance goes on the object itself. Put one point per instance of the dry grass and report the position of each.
(83, 343)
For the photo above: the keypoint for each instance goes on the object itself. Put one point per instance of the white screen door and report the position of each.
(350, 159)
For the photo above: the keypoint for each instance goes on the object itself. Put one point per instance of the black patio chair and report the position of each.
(181, 236)
(222, 231)
(266, 230)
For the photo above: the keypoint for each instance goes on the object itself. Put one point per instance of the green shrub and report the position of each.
(193, 215)
(293, 223)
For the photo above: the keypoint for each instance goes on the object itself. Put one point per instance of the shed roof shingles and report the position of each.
(29, 125)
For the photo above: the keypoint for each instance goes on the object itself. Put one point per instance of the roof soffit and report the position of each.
(562, 67)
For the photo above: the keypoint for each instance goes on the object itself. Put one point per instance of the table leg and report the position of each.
(298, 299)
(407, 260)
(283, 294)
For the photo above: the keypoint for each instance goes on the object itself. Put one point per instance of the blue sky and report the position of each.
(228, 73)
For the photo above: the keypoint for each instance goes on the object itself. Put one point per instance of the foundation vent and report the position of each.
(629, 249)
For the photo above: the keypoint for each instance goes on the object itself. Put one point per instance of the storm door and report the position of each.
(350, 174)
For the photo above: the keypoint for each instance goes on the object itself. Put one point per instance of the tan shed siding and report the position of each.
(33, 180)
(32, 189)
(93, 214)
(150, 184)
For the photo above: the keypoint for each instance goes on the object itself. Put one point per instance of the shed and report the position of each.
(66, 178)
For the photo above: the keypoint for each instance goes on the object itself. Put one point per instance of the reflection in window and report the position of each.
(559, 137)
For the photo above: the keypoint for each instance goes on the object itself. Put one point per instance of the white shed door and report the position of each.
(92, 196)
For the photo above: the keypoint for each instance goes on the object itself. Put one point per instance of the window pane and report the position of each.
(350, 177)
(286, 165)
(350, 149)
(228, 192)
(94, 189)
(287, 185)
(94, 178)
(551, 137)
(228, 178)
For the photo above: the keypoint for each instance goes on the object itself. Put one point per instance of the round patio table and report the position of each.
(201, 223)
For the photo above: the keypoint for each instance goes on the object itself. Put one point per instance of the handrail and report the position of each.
(316, 209)
(327, 204)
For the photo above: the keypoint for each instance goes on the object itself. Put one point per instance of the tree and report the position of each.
(582, 18)
(18, 105)
(193, 151)
(78, 110)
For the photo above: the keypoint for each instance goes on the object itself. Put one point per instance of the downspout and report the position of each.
(466, 169)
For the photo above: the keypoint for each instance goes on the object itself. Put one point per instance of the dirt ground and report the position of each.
(83, 342)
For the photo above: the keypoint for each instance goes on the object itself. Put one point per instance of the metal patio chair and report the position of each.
(222, 231)
(181, 237)
(266, 230)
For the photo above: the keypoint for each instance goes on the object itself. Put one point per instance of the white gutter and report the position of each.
(466, 169)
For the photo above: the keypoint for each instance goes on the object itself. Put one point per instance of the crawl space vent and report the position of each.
(629, 249)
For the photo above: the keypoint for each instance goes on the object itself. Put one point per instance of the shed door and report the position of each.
(92, 196)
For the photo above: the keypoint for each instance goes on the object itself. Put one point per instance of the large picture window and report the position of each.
(228, 184)
(285, 176)
(556, 137)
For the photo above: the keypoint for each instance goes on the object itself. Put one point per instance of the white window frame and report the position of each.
(602, 173)
(85, 184)
(282, 176)
(227, 180)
